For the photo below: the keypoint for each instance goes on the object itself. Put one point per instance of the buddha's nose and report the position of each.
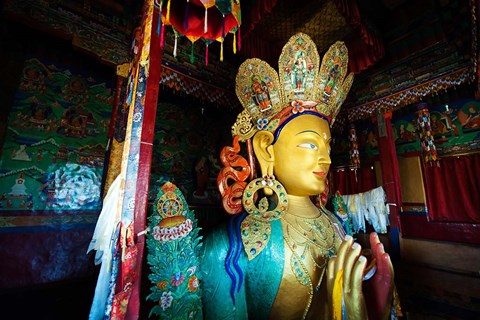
(324, 158)
(324, 154)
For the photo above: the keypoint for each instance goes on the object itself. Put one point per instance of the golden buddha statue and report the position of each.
(281, 256)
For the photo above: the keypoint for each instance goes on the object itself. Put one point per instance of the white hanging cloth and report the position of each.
(368, 206)
(103, 241)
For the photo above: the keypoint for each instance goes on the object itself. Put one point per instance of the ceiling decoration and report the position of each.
(321, 20)
(402, 51)
(325, 21)
(100, 28)
(203, 91)
(431, 52)
(408, 96)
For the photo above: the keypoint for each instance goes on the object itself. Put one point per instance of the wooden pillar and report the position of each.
(145, 161)
(390, 178)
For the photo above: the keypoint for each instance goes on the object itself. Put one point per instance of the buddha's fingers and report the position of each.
(350, 259)
(330, 279)
(357, 276)
(385, 268)
(342, 251)
(374, 239)
(384, 264)
(354, 300)
(331, 269)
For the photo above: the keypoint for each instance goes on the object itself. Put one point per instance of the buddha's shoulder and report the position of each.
(218, 240)
(226, 239)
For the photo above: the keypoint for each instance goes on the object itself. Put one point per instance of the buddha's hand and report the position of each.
(345, 272)
(344, 278)
(378, 290)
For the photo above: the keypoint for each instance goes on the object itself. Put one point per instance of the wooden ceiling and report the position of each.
(321, 20)
(403, 27)
(432, 34)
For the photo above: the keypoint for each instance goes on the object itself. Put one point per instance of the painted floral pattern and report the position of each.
(173, 252)
(177, 279)
(193, 283)
(166, 300)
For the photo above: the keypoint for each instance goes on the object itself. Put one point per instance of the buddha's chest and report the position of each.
(307, 248)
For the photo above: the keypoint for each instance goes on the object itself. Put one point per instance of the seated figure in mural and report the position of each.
(280, 256)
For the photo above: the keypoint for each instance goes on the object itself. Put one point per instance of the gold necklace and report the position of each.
(317, 235)
(314, 233)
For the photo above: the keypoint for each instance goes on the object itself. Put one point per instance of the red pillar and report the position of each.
(145, 161)
(390, 177)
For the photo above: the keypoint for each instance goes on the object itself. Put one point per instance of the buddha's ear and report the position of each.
(263, 148)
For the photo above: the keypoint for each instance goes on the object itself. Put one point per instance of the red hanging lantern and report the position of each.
(210, 20)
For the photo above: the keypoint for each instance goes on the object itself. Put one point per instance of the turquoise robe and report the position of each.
(250, 290)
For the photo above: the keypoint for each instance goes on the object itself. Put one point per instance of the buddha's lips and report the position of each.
(321, 174)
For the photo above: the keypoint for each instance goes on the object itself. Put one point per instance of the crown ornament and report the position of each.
(302, 84)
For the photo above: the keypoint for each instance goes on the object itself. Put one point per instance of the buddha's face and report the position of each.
(302, 155)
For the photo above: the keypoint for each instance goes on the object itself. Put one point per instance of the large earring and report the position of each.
(268, 180)
(256, 228)
(262, 213)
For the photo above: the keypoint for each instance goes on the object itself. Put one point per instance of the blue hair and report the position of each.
(234, 251)
(276, 134)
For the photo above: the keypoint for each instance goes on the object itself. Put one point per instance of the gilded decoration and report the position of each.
(114, 163)
(302, 85)
(173, 255)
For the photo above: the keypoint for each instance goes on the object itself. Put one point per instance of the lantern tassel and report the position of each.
(221, 50)
(162, 33)
(187, 14)
(168, 11)
(234, 43)
(206, 55)
(205, 21)
(175, 46)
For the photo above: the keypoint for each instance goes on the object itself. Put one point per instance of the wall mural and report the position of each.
(366, 139)
(187, 144)
(455, 128)
(53, 154)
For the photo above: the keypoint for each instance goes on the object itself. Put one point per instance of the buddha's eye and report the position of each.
(308, 146)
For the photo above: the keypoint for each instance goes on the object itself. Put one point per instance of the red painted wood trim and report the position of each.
(417, 226)
(145, 162)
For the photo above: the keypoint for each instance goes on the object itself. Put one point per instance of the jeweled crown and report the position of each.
(269, 98)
